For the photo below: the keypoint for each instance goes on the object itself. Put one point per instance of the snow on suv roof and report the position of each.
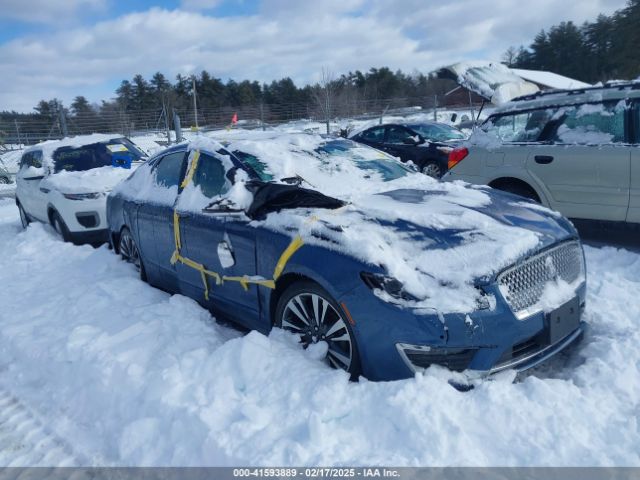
(48, 147)
(609, 92)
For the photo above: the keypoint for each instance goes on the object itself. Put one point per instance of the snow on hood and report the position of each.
(493, 81)
(438, 242)
(96, 180)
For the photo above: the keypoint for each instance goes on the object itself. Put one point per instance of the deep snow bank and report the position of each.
(125, 374)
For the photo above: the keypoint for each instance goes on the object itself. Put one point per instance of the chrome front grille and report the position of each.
(522, 285)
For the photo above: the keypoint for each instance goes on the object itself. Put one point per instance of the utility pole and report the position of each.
(63, 121)
(195, 104)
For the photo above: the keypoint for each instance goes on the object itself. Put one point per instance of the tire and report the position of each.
(295, 312)
(129, 252)
(24, 218)
(432, 169)
(60, 227)
(520, 190)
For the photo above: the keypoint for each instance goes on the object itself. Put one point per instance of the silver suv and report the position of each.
(575, 151)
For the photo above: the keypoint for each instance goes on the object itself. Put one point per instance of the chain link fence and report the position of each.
(15, 134)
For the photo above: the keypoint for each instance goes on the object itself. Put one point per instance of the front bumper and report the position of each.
(482, 343)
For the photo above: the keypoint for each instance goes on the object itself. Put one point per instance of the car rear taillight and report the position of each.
(456, 156)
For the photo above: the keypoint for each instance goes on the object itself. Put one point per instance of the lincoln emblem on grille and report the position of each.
(551, 268)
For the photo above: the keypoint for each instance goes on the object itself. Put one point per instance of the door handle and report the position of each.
(543, 159)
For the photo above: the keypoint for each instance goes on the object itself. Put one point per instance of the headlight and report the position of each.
(81, 196)
(389, 285)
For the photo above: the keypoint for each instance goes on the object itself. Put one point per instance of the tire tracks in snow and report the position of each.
(26, 441)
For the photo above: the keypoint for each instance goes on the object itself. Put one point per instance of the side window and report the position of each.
(374, 134)
(31, 159)
(25, 161)
(169, 169)
(36, 159)
(210, 176)
(397, 135)
(591, 124)
(519, 127)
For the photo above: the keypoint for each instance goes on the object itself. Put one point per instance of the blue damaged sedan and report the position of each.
(391, 271)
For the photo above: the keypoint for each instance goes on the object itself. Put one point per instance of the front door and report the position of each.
(396, 143)
(217, 248)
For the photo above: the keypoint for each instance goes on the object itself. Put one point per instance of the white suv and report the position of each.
(65, 183)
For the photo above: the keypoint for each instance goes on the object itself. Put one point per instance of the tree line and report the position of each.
(606, 49)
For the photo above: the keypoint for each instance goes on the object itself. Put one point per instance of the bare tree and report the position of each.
(509, 57)
(324, 95)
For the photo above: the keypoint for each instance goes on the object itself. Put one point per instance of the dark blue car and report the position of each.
(343, 245)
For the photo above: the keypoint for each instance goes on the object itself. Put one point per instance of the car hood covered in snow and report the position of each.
(439, 243)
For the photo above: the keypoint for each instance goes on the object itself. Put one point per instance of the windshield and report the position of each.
(364, 158)
(331, 154)
(438, 133)
(111, 153)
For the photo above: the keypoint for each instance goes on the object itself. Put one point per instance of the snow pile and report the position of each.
(121, 373)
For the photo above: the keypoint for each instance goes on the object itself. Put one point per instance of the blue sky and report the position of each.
(64, 48)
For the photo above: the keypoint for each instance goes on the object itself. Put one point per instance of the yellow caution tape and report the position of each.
(293, 247)
(192, 169)
(244, 280)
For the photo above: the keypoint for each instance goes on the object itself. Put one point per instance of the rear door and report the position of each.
(155, 220)
(634, 130)
(585, 168)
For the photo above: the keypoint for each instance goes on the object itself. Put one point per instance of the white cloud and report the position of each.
(199, 4)
(282, 40)
(47, 11)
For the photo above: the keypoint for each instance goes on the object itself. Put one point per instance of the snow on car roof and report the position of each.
(491, 80)
(48, 147)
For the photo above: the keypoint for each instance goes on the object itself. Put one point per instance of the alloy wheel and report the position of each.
(431, 169)
(129, 250)
(314, 319)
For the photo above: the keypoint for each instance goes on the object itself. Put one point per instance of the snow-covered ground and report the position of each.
(99, 368)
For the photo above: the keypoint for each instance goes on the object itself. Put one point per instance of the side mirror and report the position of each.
(411, 141)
